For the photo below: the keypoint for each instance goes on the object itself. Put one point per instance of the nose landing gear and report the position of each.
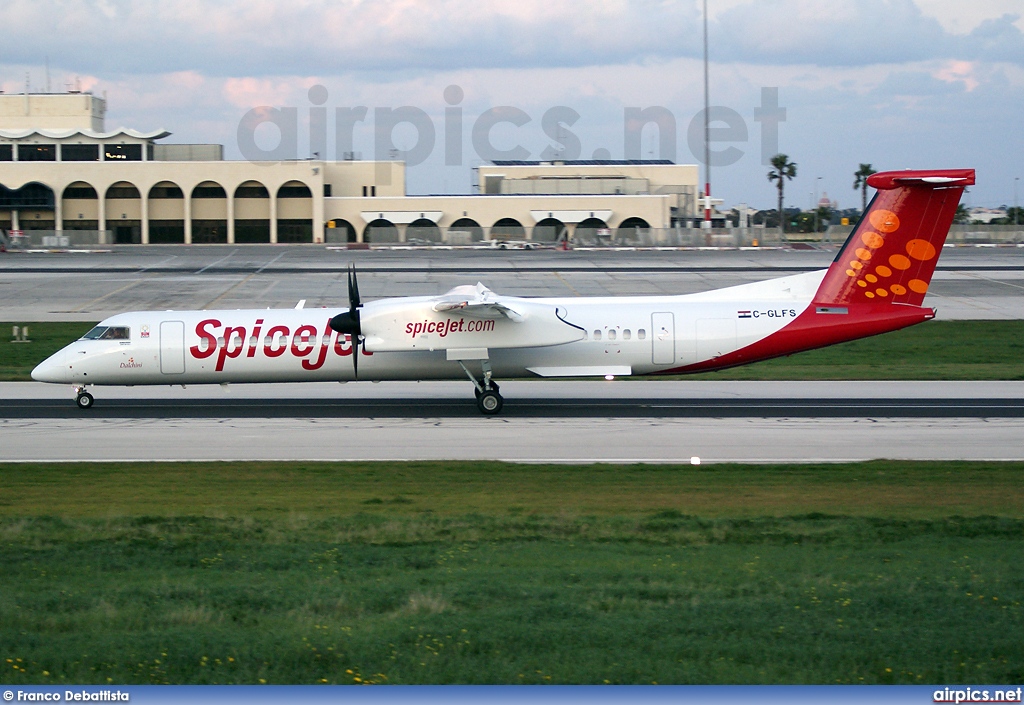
(83, 399)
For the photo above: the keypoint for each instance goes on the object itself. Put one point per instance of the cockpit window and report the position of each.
(95, 333)
(116, 333)
(109, 333)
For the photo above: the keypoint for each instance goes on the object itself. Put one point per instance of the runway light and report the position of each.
(609, 377)
(694, 460)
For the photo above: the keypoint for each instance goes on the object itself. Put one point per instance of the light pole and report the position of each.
(707, 128)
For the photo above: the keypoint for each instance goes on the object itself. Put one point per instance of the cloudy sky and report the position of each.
(895, 83)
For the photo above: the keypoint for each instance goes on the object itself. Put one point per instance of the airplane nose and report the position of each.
(52, 369)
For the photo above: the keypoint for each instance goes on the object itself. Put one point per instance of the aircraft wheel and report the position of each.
(490, 403)
(84, 400)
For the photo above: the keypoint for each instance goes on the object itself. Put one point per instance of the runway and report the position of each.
(629, 421)
(519, 408)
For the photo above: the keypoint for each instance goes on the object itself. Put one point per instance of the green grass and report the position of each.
(937, 350)
(881, 572)
(908, 490)
(18, 359)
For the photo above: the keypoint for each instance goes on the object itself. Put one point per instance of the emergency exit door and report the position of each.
(172, 347)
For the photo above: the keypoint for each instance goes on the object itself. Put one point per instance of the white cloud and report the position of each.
(959, 17)
(894, 82)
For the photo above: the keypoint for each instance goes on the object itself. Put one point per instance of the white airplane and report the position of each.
(876, 284)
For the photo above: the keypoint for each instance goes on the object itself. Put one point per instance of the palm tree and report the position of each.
(784, 169)
(861, 182)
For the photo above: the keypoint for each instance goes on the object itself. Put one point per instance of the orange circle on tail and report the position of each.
(871, 278)
(883, 271)
(884, 221)
(863, 254)
(850, 273)
(869, 294)
(898, 289)
(918, 286)
(921, 249)
(872, 240)
(881, 292)
(854, 264)
(900, 262)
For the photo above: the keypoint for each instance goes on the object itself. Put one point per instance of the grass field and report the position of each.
(881, 572)
(950, 350)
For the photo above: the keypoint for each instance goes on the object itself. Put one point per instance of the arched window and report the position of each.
(507, 228)
(549, 230)
(380, 230)
(422, 231)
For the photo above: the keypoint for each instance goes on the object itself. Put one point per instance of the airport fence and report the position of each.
(958, 234)
(526, 238)
(582, 237)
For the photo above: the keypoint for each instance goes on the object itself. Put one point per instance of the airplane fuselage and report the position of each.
(615, 336)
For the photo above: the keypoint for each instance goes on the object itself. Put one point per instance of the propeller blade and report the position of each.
(348, 323)
(353, 288)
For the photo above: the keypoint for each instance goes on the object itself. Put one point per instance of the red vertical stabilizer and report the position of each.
(891, 254)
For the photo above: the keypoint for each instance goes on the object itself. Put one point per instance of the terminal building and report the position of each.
(63, 173)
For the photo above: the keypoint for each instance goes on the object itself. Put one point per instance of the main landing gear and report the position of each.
(488, 399)
(83, 399)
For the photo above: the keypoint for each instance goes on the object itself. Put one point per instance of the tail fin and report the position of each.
(891, 254)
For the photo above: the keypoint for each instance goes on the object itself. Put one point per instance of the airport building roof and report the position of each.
(77, 133)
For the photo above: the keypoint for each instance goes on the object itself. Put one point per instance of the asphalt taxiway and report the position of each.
(970, 283)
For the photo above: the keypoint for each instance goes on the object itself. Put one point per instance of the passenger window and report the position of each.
(611, 334)
(641, 334)
(597, 335)
(116, 333)
(626, 335)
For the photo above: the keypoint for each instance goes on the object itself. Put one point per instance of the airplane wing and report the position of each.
(475, 302)
(465, 318)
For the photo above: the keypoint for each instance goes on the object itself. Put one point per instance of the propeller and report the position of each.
(347, 323)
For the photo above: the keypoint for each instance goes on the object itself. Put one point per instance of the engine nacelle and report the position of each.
(401, 325)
